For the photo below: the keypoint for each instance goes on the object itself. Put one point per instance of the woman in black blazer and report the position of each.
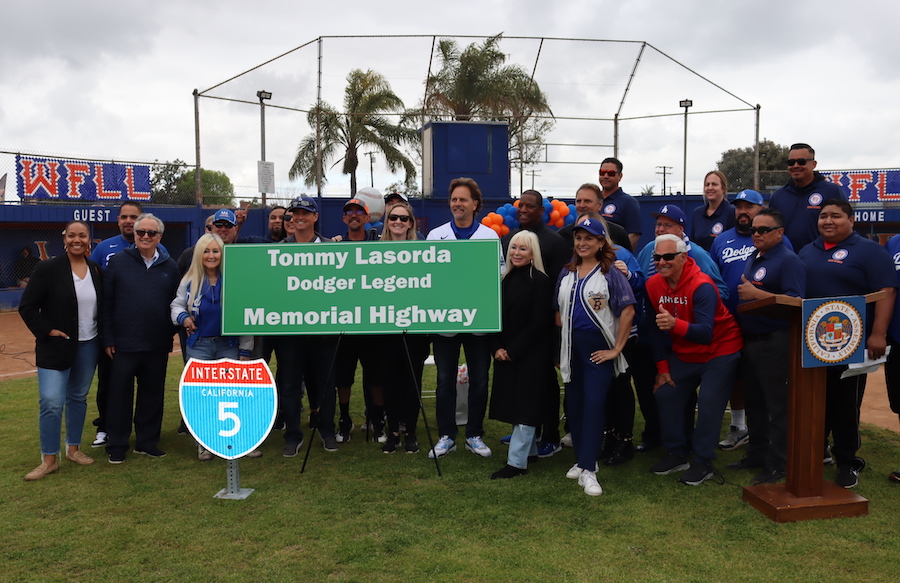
(60, 306)
(522, 356)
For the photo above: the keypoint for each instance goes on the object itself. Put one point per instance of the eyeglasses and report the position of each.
(401, 218)
(801, 161)
(223, 225)
(762, 230)
(143, 233)
(666, 225)
(209, 227)
(608, 172)
(666, 256)
(351, 212)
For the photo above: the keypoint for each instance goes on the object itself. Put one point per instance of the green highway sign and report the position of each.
(361, 288)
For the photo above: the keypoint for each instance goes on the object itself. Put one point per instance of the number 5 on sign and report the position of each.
(228, 415)
(212, 393)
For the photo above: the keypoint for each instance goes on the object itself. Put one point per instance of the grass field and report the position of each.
(360, 515)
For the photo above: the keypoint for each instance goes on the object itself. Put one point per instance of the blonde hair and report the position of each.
(387, 235)
(196, 274)
(531, 242)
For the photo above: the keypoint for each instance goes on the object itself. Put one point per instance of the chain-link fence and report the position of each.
(606, 97)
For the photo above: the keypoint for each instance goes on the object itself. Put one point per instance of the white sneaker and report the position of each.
(588, 480)
(566, 441)
(100, 440)
(574, 472)
(477, 446)
(444, 446)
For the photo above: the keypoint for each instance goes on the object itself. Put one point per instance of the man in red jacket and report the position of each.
(702, 349)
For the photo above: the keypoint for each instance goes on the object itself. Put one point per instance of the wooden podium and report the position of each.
(806, 494)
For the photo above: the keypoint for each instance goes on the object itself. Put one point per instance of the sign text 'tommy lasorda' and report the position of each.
(362, 288)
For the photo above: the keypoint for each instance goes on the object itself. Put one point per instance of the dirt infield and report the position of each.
(17, 359)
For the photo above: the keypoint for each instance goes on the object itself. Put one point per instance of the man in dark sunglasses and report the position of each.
(356, 216)
(617, 206)
(800, 200)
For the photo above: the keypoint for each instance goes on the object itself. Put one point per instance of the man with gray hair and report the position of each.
(138, 285)
(696, 343)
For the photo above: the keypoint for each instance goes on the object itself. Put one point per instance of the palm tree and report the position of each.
(362, 124)
(475, 84)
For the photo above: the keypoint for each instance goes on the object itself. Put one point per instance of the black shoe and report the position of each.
(744, 464)
(624, 453)
(182, 428)
(768, 477)
(645, 447)
(670, 463)
(506, 472)
(410, 444)
(329, 443)
(390, 446)
(847, 477)
(96, 422)
(698, 473)
(894, 476)
(117, 458)
(291, 448)
(151, 451)
(345, 428)
(608, 446)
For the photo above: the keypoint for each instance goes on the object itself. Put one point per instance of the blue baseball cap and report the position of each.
(592, 226)
(670, 211)
(750, 196)
(303, 203)
(225, 215)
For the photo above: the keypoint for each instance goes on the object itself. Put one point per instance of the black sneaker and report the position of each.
(744, 463)
(291, 448)
(698, 473)
(608, 446)
(670, 463)
(894, 476)
(507, 471)
(151, 451)
(847, 477)
(329, 443)
(768, 477)
(345, 427)
(624, 453)
(410, 444)
(117, 458)
(390, 446)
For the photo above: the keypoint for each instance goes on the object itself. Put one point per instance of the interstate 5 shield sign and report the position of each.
(228, 406)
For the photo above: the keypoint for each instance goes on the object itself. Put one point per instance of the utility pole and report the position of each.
(371, 156)
(664, 172)
(685, 103)
(533, 173)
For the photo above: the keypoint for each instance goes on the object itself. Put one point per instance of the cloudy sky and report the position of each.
(113, 80)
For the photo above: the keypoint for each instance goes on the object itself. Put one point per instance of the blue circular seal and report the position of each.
(834, 332)
(815, 199)
(759, 274)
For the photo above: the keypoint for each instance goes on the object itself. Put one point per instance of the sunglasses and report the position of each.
(801, 161)
(762, 230)
(608, 172)
(401, 218)
(351, 212)
(666, 256)
(222, 225)
(143, 233)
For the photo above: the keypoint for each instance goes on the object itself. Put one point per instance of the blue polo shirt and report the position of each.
(623, 210)
(778, 271)
(730, 251)
(893, 249)
(856, 266)
(801, 206)
(705, 228)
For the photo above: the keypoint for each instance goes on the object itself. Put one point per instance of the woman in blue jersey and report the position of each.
(595, 310)
(198, 308)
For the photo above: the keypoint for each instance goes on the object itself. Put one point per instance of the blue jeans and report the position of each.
(66, 388)
(586, 394)
(446, 359)
(715, 379)
(213, 348)
(521, 445)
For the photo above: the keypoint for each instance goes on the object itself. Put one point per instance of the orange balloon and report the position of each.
(516, 204)
(504, 230)
(497, 229)
(564, 210)
(498, 219)
(554, 216)
(561, 222)
(486, 220)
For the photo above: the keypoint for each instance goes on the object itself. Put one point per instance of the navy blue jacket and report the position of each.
(136, 302)
(801, 207)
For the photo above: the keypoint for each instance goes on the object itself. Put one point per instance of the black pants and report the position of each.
(402, 386)
(149, 370)
(306, 359)
(842, 400)
(765, 364)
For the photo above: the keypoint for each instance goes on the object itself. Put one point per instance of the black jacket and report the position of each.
(49, 303)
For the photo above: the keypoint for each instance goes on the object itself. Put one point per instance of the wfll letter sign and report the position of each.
(228, 405)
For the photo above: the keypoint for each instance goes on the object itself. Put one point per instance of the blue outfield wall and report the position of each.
(40, 225)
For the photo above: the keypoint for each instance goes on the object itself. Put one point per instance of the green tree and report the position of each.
(215, 186)
(362, 124)
(737, 165)
(410, 190)
(476, 84)
(164, 182)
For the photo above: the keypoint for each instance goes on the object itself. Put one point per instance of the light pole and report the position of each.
(685, 103)
(263, 96)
